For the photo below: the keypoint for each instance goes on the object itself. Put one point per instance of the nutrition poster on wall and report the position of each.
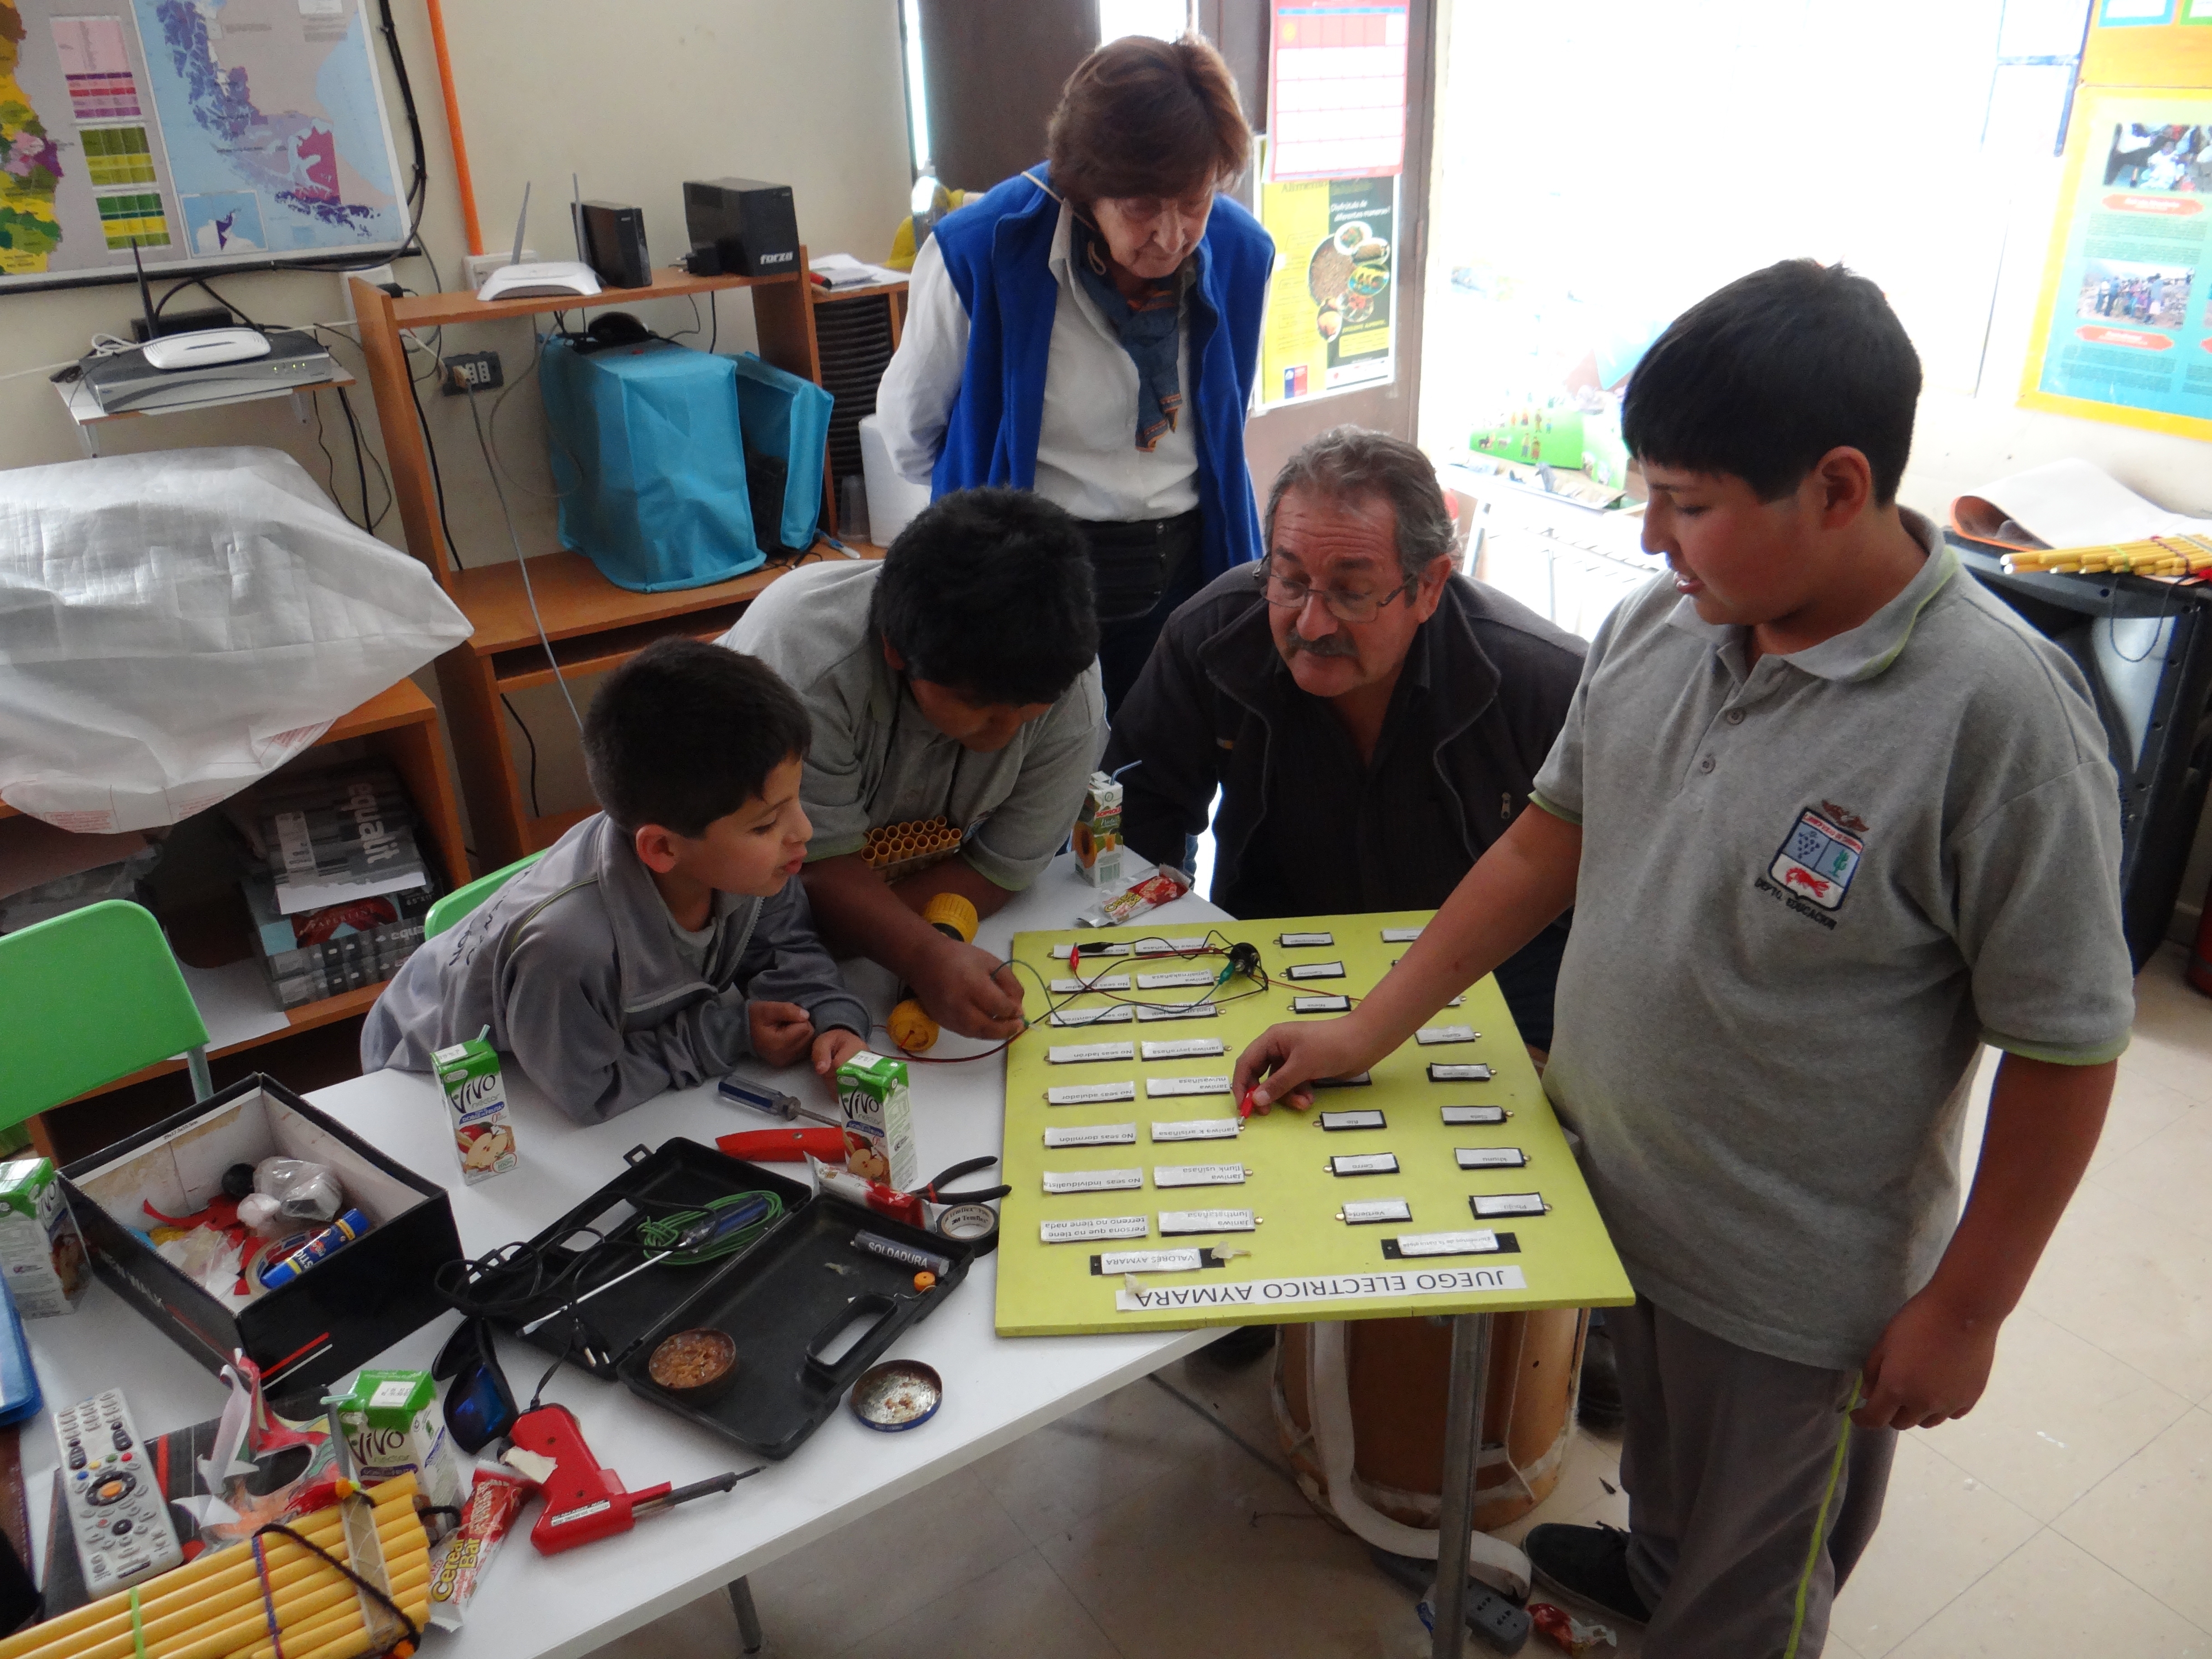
(2124, 329)
(1332, 305)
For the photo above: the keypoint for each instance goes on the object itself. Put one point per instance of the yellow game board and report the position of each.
(1303, 1261)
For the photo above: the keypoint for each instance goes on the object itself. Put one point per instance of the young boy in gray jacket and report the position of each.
(664, 939)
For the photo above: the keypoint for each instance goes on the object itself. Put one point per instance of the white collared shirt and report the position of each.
(1087, 458)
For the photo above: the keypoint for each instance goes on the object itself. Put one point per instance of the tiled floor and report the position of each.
(2070, 1515)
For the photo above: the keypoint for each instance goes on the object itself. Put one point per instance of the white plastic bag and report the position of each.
(175, 625)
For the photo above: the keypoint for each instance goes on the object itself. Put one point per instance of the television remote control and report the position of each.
(124, 1532)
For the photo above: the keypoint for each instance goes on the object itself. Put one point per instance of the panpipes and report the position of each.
(219, 1606)
(2159, 556)
(897, 850)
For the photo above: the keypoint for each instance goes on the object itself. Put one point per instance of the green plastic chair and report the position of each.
(90, 997)
(462, 900)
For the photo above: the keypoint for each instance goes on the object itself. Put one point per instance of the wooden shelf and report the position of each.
(433, 310)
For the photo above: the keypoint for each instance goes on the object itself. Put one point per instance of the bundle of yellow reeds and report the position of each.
(893, 850)
(2158, 555)
(213, 1607)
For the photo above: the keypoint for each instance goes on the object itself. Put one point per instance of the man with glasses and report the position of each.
(1372, 720)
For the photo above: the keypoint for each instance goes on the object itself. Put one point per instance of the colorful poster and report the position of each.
(1332, 305)
(1336, 89)
(2124, 329)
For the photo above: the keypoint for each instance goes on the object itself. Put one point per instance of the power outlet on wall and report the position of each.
(468, 371)
(482, 265)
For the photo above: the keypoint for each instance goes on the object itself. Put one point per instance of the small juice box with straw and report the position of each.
(476, 1096)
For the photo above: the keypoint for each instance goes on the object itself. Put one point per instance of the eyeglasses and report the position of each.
(1290, 595)
(479, 1407)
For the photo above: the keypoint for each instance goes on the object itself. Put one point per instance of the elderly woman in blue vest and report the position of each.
(1090, 329)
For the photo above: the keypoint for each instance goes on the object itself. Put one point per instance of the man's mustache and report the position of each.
(1332, 645)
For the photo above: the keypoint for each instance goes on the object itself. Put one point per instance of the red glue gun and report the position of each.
(585, 1503)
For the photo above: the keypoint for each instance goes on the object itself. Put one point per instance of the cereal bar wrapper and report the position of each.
(1163, 886)
(457, 1563)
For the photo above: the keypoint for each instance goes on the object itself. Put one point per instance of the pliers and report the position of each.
(935, 1192)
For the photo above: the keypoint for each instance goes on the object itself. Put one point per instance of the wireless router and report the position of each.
(516, 281)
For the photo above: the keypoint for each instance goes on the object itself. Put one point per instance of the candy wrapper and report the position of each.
(457, 1563)
(1569, 1635)
(1163, 886)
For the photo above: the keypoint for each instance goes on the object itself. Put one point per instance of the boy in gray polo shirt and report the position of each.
(957, 679)
(1829, 819)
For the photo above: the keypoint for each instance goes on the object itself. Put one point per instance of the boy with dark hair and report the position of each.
(663, 939)
(1831, 818)
(955, 679)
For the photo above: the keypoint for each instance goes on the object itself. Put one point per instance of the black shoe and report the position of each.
(1240, 1347)
(1588, 1563)
(1598, 1405)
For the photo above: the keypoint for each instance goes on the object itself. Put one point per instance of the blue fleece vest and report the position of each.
(998, 250)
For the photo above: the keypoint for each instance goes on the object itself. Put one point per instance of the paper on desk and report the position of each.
(843, 271)
(2068, 503)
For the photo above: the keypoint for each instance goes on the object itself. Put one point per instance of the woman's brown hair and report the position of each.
(1141, 117)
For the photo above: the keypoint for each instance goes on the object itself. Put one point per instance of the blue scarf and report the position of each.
(1147, 332)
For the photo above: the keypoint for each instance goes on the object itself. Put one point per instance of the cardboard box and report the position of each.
(42, 1254)
(333, 1318)
(871, 1089)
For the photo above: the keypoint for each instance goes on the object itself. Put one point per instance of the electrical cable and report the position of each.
(360, 460)
(714, 320)
(382, 477)
(535, 811)
(514, 537)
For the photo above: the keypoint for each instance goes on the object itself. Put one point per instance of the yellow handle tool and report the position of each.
(911, 1027)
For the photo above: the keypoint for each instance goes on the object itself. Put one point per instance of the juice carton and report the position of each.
(391, 1421)
(475, 1096)
(878, 1120)
(1097, 838)
(42, 1254)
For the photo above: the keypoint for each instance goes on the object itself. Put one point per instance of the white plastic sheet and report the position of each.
(174, 626)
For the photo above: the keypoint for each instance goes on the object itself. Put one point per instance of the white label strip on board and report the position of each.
(1093, 1181)
(1118, 1014)
(1093, 1134)
(1366, 1120)
(1199, 1174)
(1148, 1262)
(1304, 941)
(1198, 1128)
(1469, 1072)
(1077, 1053)
(1434, 1034)
(1259, 1293)
(1400, 935)
(1478, 1243)
(1491, 1157)
(1184, 1048)
(1460, 1114)
(1116, 949)
(1104, 983)
(1175, 979)
(1097, 1227)
(1314, 970)
(1167, 947)
(1207, 1221)
(1365, 1212)
(1363, 1164)
(1157, 1088)
(1488, 1205)
(1088, 1094)
(1338, 1003)
(1196, 1010)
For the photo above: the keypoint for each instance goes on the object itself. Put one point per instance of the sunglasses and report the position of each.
(480, 1407)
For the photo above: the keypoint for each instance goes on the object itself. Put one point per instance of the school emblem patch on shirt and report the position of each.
(1817, 861)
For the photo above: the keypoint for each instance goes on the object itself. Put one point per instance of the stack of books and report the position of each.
(339, 900)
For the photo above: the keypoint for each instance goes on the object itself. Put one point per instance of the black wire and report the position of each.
(437, 480)
(534, 809)
(202, 283)
(331, 474)
(414, 1636)
(714, 320)
(360, 457)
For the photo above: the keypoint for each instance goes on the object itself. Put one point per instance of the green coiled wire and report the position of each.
(660, 1231)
